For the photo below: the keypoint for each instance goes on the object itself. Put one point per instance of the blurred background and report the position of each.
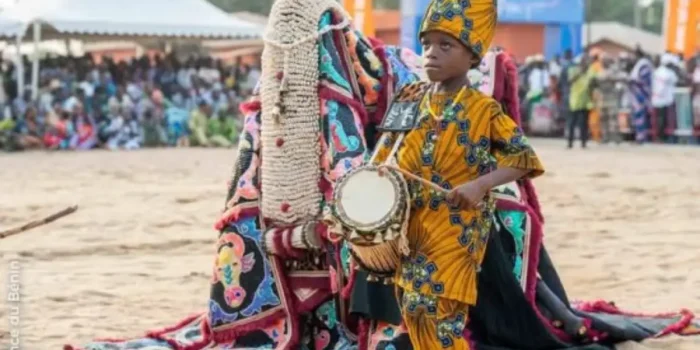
(153, 63)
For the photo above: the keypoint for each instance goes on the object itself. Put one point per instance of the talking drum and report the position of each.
(371, 211)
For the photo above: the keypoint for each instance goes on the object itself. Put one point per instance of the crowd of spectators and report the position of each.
(147, 102)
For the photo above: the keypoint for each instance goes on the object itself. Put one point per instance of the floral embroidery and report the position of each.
(420, 272)
(477, 153)
(468, 231)
(437, 197)
(428, 149)
(517, 144)
(450, 329)
(413, 301)
(415, 190)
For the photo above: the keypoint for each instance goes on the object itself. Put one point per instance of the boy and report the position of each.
(462, 140)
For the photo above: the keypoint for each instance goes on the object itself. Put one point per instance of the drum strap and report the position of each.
(394, 148)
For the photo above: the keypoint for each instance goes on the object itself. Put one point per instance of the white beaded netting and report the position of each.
(290, 120)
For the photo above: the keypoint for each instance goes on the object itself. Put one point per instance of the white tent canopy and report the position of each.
(127, 18)
(117, 19)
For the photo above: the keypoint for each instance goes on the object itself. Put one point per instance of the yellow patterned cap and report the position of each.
(472, 22)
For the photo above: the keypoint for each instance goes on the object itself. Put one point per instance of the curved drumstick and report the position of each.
(429, 183)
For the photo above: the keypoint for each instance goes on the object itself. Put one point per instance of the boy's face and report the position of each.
(444, 57)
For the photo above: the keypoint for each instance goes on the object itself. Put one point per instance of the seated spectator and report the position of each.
(83, 104)
(198, 125)
(152, 130)
(129, 135)
(176, 116)
(109, 128)
(85, 136)
(30, 132)
(59, 134)
(7, 135)
(122, 99)
(222, 129)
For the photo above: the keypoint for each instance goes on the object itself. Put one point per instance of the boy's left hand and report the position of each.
(468, 196)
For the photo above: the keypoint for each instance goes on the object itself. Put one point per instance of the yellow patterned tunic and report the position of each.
(448, 244)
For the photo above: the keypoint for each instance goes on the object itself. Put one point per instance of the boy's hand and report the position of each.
(468, 196)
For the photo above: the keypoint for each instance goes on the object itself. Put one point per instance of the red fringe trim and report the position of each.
(250, 106)
(686, 316)
(230, 216)
(346, 293)
(162, 336)
(363, 327)
(531, 197)
(229, 335)
(283, 288)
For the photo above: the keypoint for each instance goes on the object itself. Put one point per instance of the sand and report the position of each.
(622, 224)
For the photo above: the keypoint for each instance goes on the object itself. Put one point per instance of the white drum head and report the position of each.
(368, 198)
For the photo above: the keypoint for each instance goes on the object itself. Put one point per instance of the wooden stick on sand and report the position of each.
(36, 223)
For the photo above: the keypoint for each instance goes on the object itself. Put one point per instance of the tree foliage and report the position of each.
(623, 11)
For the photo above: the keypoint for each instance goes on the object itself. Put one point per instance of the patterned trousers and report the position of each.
(434, 323)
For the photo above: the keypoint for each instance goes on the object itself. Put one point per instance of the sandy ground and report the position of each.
(622, 224)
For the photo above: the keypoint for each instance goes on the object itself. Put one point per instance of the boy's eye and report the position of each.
(445, 45)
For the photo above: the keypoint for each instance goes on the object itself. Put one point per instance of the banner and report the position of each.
(542, 11)
(681, 26)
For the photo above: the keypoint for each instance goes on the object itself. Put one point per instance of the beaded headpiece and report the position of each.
(290, 126)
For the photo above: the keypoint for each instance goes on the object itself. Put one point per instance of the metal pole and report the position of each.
(35, 60)
(19, 67)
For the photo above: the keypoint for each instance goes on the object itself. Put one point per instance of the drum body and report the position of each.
(371, 212)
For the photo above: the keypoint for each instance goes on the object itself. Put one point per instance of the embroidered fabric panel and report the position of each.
(515, 222)
(385, 336)
(242, 282)
(244, 185)
(244, 290)
(320, 329)
(407, 66)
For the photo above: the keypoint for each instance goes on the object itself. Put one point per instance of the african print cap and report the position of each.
(473, 22)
